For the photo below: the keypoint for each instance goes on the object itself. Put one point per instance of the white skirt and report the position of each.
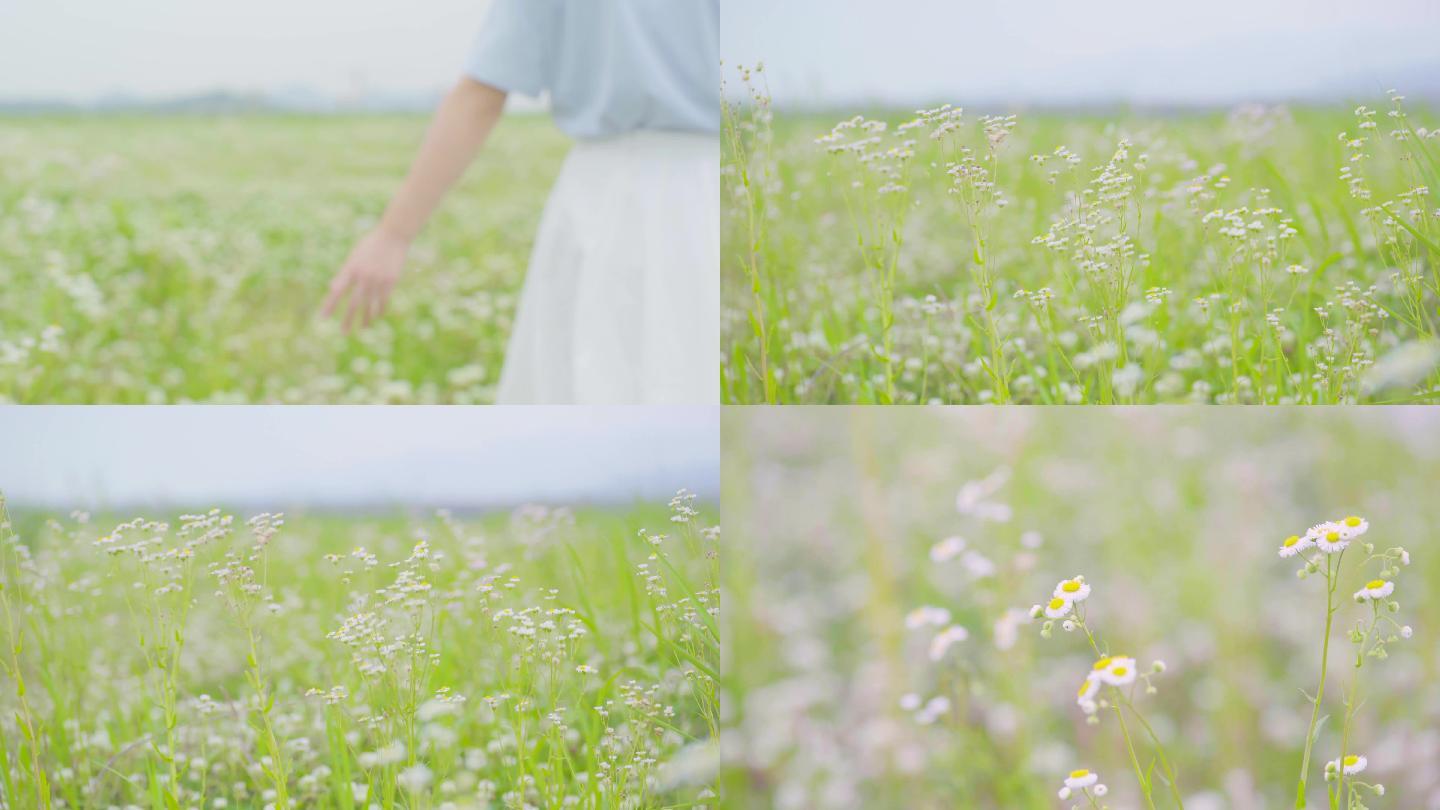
(622, 299)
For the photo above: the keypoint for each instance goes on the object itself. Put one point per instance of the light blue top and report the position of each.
(610, 66)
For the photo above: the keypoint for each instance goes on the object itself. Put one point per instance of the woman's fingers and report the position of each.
(337, 291)
(355, 305)
(380, 295)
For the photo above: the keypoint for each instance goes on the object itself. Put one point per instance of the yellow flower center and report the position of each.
(1351, 760)
(1375, 583)
(1120, 672)
(1080, 774)
(1070, 586)
(1292, 540)
(1102, 663)
(1332, 537)
(1057, 603)
(1083, 686)
(1352, 521)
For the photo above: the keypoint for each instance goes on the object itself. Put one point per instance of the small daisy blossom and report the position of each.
(1355, 525)
(945, 638)
(1330, 537)
(1058, 608)
(1295, 543)
(1119, 671)
(927, 615)
(1375, 589)
(947, 549)
(1081, 778)
(1073, 590)
(1353, 764)
(1088, 688)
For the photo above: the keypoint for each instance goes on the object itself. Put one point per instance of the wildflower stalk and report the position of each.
(1332, 538)
(1124, 702)
(241, 590)
(1159, 751)
(25, 717)
(754, 190)
(278, 769)
(1350, 704)
(1134, 761)
(1331, 581)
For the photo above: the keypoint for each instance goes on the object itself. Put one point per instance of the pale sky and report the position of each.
(79, 49)
(839, 52)
(284, 456)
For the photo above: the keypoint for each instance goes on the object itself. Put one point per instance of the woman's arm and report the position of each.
(460, 127)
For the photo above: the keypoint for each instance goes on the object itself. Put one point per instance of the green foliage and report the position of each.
(1071, 258)
(343, 662)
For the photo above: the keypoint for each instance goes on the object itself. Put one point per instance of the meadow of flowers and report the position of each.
(1129, 608)
(1261, 256)
(546, 658)
(183, 259)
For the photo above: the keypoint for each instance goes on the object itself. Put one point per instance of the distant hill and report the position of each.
(225, 102)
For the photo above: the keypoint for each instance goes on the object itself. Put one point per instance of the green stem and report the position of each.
(1350, 698)
(1160, 751)
(1134, 761)
(1330, 580)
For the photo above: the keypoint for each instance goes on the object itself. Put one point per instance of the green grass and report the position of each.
(1111, 281)
(1173, 516)
(178, 258)
(543, 658)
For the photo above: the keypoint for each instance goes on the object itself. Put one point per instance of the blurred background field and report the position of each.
(1174, 516)
(182, 258)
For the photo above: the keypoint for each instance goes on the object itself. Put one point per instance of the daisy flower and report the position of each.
(1355, 525)
(945, 638)
(1088, 688)
(1375, 589)
(1118, 671)
(1058, 608)
(1081, 779)
(927, 615)
(947, 549)
(1294, 544)
(1330, 537)
(1353, 764)
(1074, 590)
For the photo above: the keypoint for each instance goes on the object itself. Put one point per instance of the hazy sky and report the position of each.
(1063, 51)
(79, 49)
(286, 455)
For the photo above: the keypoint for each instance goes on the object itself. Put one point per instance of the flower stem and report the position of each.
(1160, 751)
(1134, 761)
(1331, 577)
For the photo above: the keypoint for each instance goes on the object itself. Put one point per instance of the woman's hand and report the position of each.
(367, 278)
(460, 126)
